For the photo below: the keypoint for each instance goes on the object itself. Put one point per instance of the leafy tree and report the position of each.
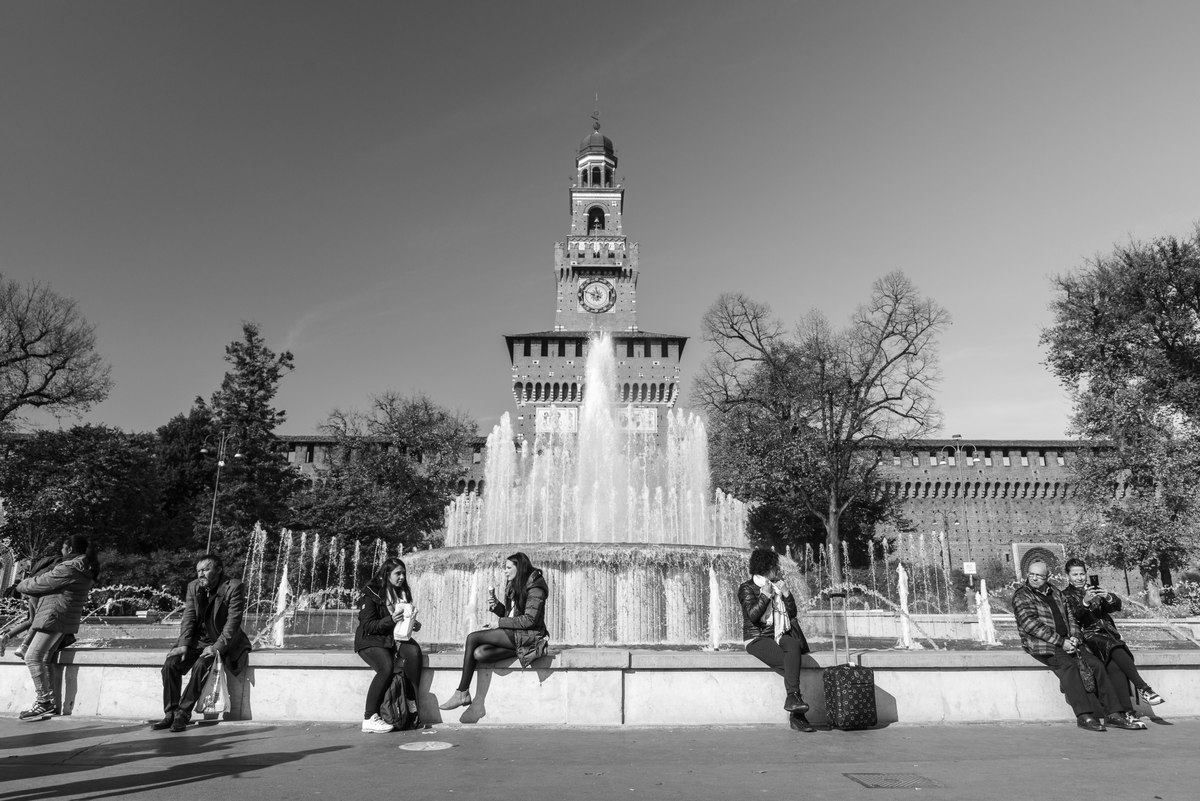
(48, 356)
(393, 470)
(89, 480)
(255, 485)
(1126, 344)
(186, 474)
(797, 419)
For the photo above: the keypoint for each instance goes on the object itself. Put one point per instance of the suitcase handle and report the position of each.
(845, 625)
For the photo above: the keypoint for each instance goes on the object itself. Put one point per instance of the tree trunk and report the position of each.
(833, 541)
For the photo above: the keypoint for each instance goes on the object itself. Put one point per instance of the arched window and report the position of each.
(595, 176)
(608, 176)
(537, 392)
(528, 391)
(479, 487)
(518, 391)
(595, 219)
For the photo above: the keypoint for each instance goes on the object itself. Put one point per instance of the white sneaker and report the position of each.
(375, 725)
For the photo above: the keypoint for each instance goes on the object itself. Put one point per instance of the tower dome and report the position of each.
(596, 143)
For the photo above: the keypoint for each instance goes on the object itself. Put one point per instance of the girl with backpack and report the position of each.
(385, 617)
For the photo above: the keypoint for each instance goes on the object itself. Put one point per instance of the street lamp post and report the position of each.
(958, 450)
(223, 445)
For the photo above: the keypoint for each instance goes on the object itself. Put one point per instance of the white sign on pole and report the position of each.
(969, 569)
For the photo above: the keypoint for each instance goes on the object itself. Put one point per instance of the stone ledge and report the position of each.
(620, 659)
(604, 687)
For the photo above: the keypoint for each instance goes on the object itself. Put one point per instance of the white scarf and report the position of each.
(778, 610)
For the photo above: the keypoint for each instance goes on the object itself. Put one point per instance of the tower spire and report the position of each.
(596, 114)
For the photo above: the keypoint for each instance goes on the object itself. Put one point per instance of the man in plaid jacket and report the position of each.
(1051, 635)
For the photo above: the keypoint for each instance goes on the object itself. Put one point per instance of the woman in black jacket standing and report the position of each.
(386, 603)
(771, 632)
(520, 631)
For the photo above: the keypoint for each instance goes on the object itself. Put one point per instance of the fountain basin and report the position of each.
(600, 593)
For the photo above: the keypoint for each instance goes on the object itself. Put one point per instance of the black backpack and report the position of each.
(394, 709)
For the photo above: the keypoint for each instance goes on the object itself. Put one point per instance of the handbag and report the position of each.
(214, 694)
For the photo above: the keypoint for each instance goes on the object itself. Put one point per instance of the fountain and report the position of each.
(633, 548)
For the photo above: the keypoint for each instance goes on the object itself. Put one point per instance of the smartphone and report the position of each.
(1094, 581)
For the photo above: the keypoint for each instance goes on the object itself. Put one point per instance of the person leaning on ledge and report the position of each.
(211, 625)
(1051, 635)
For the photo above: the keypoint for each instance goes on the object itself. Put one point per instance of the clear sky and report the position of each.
(380, 185)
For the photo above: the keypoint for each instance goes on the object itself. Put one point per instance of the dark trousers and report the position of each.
(782, 657)
(383, 662)
(1121, 672)
(1065, 666)
(173, 671)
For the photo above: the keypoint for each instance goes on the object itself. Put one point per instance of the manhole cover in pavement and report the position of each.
(892, 781)
(427, 745)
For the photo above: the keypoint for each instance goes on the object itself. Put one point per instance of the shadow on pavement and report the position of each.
(199, 770)
(41, 734)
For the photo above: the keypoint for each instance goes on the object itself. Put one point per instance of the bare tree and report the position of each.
(801, 417)
(48, 353)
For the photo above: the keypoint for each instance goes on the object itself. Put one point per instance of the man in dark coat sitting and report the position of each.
(212, 624)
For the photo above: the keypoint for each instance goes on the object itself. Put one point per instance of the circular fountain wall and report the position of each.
(634, 547)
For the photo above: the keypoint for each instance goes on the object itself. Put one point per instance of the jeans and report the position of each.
(38, 657)
(782, 657)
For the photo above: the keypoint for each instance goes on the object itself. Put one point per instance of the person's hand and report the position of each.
(209, 652)
(398, 615)
(1094, 594)
(489, 625)
(178, 650)
(769, 590)
(1070, 645)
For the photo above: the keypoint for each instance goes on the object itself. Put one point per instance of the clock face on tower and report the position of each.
(596, 295)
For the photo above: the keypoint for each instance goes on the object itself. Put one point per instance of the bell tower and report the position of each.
(597, 267)
(595, 277)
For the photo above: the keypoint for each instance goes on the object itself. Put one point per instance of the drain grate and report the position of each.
(893, 781)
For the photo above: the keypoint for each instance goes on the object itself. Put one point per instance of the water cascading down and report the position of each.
(634, 547)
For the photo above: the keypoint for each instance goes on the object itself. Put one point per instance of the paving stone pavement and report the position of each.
(93, 758)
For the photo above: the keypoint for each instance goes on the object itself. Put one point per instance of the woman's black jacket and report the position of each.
(754, 606)
(375, 622)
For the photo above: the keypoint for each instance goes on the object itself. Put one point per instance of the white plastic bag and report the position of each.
(214, 695)
(404, 628)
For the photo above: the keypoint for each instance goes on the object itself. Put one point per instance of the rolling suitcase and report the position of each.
(849, 688)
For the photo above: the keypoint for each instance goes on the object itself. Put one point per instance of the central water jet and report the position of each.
(624, 528)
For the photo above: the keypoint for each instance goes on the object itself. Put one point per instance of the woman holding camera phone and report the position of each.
(520, 631)
(1093, 608)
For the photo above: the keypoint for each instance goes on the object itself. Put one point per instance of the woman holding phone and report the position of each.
(386, 620)
(1093, 608)
(520, 631)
